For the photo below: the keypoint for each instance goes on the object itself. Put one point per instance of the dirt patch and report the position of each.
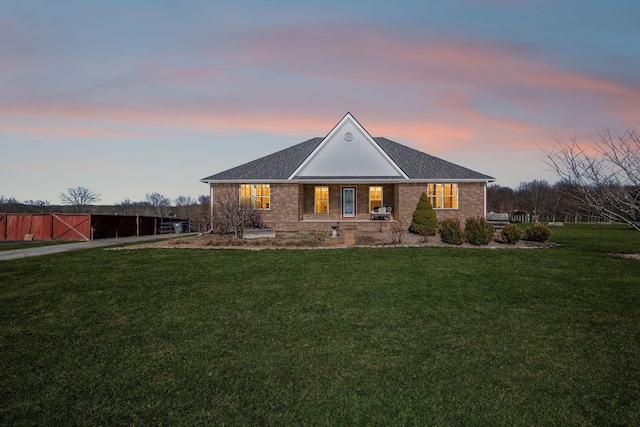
(628, 256)
(317, 240)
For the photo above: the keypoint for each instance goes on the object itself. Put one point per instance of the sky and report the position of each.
(134, 97)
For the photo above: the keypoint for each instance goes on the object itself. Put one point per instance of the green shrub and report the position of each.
(538, 232)
(511, 234)
(424, 221)
(478, 231)
(451, 231)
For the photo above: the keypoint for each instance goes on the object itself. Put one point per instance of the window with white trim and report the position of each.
(255, 196)
(375, 197)
(443, 196)
(322, 200)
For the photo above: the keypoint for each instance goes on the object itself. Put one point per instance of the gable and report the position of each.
(348, 151)
(339, 156)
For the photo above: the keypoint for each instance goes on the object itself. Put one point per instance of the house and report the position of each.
(340, 179)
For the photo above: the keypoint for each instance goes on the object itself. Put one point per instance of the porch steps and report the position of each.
(345, 227)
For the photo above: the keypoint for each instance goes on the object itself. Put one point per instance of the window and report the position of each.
(443, 196)
(375, 197)
(255, 196)
(322, 200)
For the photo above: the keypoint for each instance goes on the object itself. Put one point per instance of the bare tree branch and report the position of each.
(605, 178)
(79, 198)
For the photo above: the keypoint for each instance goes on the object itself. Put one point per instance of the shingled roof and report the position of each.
(281, 165)
(423, 166)
(277, 166)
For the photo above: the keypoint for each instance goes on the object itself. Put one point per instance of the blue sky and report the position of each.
(134, 97)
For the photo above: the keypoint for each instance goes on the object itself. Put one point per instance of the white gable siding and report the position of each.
(337, 157)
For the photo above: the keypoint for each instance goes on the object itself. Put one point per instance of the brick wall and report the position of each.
(470, 201)
(291, 203)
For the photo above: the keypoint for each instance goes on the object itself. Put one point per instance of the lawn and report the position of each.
(396, 336)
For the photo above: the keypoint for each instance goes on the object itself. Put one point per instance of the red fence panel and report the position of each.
(3, 226)
(19, 225)
(71, 226)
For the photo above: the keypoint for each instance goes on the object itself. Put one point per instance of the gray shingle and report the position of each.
(419, 165)
(276, 166)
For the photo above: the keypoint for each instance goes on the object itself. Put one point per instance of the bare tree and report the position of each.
(230, 217)
(184, 206)
(605, 178)
(500, 198)
(534, 197)
(161, 204)
(79, 198)
(200, 215)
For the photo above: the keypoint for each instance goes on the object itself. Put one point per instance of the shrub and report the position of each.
(511, 234)
(424, 221)
(396, 233)
(478, 231)
(451, 231)
(538, 232)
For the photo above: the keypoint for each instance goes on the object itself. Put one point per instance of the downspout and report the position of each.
(485, 199)
(211, 207)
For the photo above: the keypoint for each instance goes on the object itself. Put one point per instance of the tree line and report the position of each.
(544, 202)
(83, 200)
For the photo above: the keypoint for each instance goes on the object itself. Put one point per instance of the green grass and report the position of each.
(404, 336)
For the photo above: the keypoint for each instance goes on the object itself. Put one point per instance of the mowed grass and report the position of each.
(403, 336)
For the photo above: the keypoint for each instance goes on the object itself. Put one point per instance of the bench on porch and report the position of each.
(381, 212)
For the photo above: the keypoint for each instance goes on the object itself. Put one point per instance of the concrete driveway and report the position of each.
(46, 250)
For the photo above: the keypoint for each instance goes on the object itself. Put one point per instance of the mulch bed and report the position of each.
(311, 240)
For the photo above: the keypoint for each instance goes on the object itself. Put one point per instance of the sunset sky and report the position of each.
(133, 97)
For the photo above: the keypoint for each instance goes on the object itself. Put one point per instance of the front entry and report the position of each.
(348, 202)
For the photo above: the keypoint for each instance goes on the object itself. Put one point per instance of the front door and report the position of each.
(348, 202)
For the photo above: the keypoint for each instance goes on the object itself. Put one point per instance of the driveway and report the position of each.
(54, 249)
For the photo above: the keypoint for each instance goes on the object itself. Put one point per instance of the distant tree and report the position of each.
(161, 204)
(500, 198)
(605, 178)
(38, 203)
(79, 198)
(184, 206)
(129, 207)
(534, 196)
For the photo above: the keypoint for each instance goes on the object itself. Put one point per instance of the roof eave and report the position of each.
(343, 180)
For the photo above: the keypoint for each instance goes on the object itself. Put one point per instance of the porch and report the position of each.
(342, 225)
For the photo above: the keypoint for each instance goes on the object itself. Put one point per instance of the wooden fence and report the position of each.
(56, 226)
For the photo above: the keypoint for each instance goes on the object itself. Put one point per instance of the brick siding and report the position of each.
(291, 203)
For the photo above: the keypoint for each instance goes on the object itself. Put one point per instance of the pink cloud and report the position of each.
(515, 74)
(438, 93)
(71, 131)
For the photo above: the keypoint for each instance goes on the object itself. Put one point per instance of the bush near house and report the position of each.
(538, 232)
(451, 231)
(511, 234)
(478, 231)
(424, 221)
